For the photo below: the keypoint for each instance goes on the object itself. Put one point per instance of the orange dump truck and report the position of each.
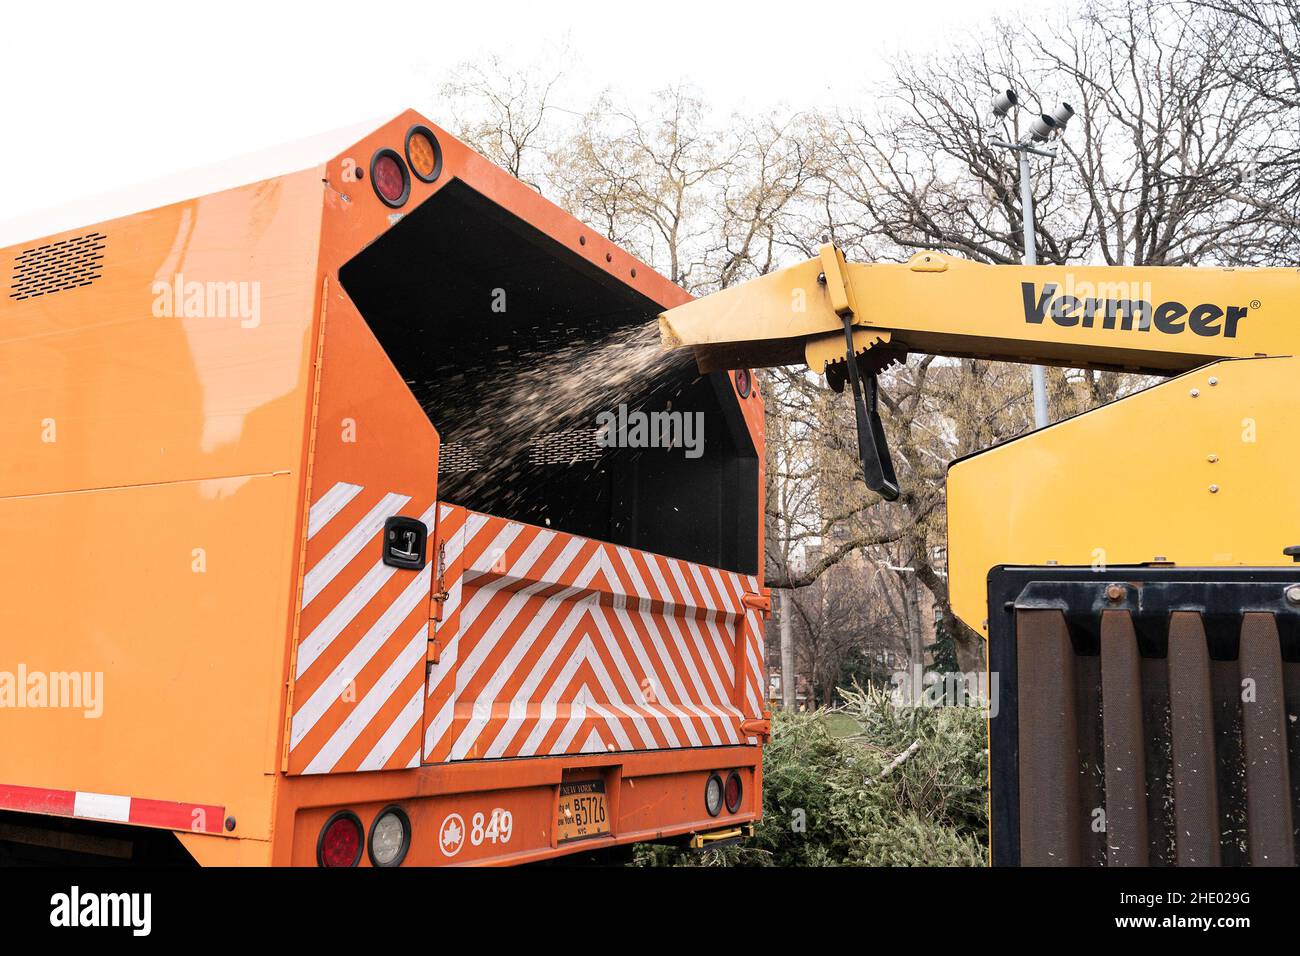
(239, 617)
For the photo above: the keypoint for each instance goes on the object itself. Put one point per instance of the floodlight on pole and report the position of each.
(1042, 128)
(1004, 103)
(1062, 115)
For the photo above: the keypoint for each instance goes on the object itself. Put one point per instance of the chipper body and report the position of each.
(1132, 568)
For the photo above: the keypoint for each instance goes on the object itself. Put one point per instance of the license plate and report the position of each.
(582, 810)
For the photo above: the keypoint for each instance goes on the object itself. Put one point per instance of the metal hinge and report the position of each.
(439, 597)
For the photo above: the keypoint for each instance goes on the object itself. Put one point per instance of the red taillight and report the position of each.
(340, 840)
(744, 384)
(389, 177)
(732, 792)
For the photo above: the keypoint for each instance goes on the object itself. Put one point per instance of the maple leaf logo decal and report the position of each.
(452, 834)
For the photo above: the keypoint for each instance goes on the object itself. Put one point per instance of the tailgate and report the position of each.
(551, 643)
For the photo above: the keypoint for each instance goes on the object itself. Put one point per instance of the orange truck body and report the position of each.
(192, 510)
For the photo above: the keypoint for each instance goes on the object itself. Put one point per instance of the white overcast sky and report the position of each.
(102, 95)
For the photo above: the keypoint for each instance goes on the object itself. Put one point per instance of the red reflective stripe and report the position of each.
(166, 814)
(36, 800)
(177, 816)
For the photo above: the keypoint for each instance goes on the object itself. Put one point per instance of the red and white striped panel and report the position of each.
(362, 638)
(554, 644)
(166, 814)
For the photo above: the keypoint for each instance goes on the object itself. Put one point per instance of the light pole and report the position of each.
(1041, 129)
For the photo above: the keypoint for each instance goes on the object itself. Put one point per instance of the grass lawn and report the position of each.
(842, 725)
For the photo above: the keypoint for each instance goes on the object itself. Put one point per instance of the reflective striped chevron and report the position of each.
(545, 643)
(550, 644)
(362, 639)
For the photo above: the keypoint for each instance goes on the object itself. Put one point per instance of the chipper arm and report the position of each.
(1140, 319)
(1155, 534)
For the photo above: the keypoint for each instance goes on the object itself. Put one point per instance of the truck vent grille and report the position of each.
(564, 447)
(1156, 724)
(455, 457)
(58, 266)
(556, 448)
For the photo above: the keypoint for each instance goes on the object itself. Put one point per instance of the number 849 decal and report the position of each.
(491, 828)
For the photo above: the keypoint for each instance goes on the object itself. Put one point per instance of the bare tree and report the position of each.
(649, 180)
(838, 630)
(1259, 48)
(1264, 52)
(506, 113)
(1166, 138)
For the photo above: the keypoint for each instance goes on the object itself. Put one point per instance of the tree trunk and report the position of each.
(970, 649)
(915, 635)
(787, 652)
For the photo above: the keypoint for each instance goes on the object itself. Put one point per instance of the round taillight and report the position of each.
(732, 792)
(389, 177)
(423, 153)
(340, 840)
(713, 795)
(744, 383)
(390, 837)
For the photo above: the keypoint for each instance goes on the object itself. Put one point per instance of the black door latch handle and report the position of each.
(405, 541)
